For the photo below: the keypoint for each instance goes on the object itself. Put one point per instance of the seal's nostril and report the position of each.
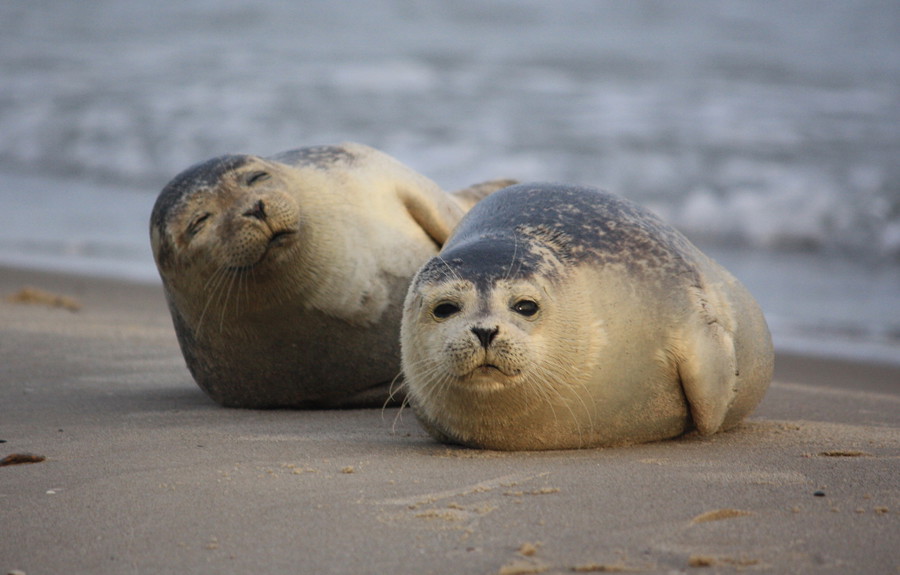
(258, 211)
(485, 335)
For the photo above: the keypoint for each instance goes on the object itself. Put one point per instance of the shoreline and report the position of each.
(875, 374)
(143, 472)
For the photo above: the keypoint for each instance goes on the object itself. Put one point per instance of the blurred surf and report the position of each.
(768, 131)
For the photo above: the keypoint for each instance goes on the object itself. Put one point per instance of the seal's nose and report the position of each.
(485, 335)
(258, 211)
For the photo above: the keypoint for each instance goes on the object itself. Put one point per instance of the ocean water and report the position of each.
(768, 131)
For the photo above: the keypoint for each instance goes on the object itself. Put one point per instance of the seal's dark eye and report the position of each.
(257, 177)
(525, 307)
(444, 310)
(197, 224)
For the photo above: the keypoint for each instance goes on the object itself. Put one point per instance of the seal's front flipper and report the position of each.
(437, 212)
(431, 209)
(708, 365)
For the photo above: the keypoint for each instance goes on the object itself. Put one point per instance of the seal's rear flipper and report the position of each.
(470, 196)
(708, 367)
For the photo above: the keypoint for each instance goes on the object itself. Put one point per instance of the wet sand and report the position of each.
(142, 473)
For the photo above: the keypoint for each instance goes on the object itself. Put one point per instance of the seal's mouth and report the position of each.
(491, 370)
(277, 240)
(488, 378)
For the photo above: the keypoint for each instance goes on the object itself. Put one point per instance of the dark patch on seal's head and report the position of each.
(489, 258)
(203, 175)
(315, 156)
(578, 225)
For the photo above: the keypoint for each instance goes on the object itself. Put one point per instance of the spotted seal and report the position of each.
(285, 275)
(561, 317)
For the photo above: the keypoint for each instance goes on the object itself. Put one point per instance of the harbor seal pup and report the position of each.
(285, 275)
(561, 317)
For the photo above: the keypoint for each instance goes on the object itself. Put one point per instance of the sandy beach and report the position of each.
(143, 474)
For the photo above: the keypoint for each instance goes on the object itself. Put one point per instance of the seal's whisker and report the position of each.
(449, 268)
(398, 418)
(249, 277)
(238, 283)
(211, 289)
(564, 392)
(574, 382)
(393, 389)
(230, 286)
(512, 262)
(569, 392)
(438, 381)
(434, 376)
(543, 386)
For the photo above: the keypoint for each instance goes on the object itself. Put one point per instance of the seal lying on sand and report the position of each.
(562, 317)
(285, 275)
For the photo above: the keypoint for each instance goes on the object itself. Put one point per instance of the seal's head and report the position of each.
(225, 220)
(483, 325)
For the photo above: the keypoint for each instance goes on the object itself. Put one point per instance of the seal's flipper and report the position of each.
(470, 196)
(708, 366)
(437, 214)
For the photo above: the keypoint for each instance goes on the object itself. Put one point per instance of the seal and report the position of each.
(285, 275)
(560, 317)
